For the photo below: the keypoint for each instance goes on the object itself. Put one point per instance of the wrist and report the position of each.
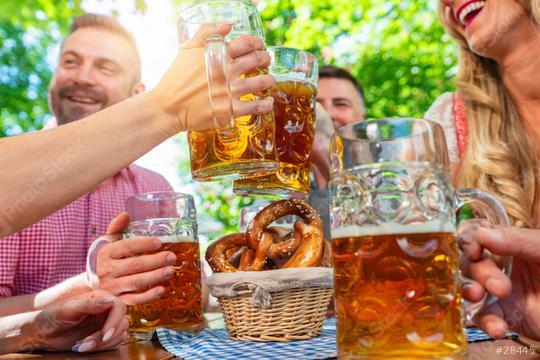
(19, 333)
(62, 291)
(171, 121)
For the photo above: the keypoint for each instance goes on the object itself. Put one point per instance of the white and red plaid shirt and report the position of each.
(55, 248)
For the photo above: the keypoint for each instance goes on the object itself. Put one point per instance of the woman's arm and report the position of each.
(46, 170)
(24, 303)
(88, 322)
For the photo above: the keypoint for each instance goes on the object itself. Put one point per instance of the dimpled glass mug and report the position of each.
(170, 217)
(247, 146)
(295, 95)
(396, 261)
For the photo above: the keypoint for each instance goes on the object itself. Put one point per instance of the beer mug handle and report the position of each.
(219, 89)
(91, 262)
(494, 211)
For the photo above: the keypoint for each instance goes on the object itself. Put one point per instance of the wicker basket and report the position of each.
(296, 314)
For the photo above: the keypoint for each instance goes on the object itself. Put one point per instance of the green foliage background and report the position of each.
(396, 48)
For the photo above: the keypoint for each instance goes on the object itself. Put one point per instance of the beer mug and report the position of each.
(246, 146)
(396, 261)
(171, 217)
(295, 95)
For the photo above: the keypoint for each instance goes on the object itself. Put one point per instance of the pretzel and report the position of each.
(264, 247)
(307, 243)
(215, 254)
(285, 242)
(311, 250)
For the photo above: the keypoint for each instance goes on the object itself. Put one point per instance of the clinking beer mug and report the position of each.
(295, 95)
(396, 261)
(245, 147)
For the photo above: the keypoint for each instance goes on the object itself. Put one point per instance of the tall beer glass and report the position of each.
(295, 96)
(395, 257)
(246, 146)
(170, 217)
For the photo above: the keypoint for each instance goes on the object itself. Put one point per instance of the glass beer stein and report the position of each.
(396, 261)
(246, 146)
(295, 95)
(170, 217)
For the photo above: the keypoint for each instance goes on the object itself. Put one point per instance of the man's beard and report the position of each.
(69, 112)
(73, 114)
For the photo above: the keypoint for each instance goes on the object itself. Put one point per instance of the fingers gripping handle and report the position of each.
(217, 73)
(492, 209)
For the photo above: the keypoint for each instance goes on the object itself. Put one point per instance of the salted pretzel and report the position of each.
(215, 253)
(307, 243)
(302, 247)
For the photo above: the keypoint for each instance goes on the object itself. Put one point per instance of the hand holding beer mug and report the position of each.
(246, 146)
(295, 95)
(171, 218)
(396, 261)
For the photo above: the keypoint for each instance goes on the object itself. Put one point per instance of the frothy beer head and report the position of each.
(170, 239)
(393, 228)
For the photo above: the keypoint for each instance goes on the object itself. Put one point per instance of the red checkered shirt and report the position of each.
(55, 248)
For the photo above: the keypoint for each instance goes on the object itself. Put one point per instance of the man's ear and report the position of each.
(137, 89)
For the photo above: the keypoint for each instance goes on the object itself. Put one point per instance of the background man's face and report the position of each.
(95, 71)
(341, 101)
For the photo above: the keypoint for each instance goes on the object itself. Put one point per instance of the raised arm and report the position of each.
(46, 170)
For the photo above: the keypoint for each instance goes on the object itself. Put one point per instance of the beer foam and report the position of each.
(176, 239)
(169, 239)
(393, 228)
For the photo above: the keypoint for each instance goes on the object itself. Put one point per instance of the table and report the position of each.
(501, 349)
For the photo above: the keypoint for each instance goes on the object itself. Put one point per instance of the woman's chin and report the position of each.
(482, 41)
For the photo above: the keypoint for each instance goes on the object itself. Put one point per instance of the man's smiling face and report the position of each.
(96, 70)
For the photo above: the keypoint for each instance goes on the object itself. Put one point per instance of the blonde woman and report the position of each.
(493, 131)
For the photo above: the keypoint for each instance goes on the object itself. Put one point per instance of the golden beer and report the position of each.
(294, 113)
(397, 293)
(180, 308)
(248, 149)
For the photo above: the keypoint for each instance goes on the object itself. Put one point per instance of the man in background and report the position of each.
(340, 100)
(341, 96)
(99, 66)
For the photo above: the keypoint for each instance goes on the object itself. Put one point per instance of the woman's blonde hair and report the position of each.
(501, 157)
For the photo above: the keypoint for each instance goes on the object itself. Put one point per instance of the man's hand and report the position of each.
(92, 321)
(124, 270)
(518, 306)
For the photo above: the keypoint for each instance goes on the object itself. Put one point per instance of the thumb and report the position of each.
(511, 241)
(118, 224)
(491, 320)
(206, 31)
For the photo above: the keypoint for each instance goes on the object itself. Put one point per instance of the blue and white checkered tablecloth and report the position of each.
(215, 344)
